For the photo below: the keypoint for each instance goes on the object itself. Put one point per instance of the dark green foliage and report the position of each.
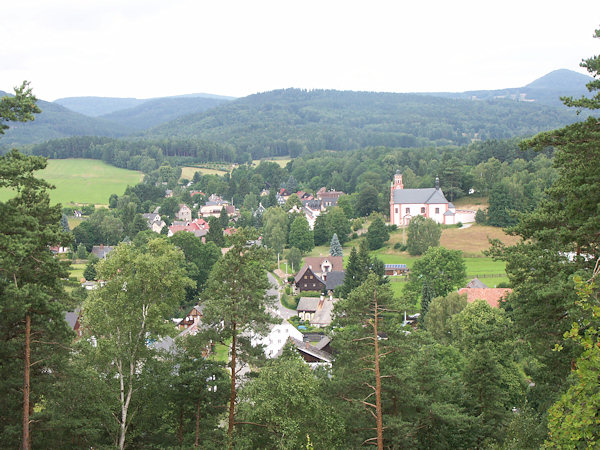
(422, 234)
(441, 269)
(289, 402)
(64, 223)
(30, 287)
(367, 201)
(481, 217)
(377, 234)
(301, 236)
(199, 260)
(215, 232)
(293, 121)
(90, 270)
(333, 221)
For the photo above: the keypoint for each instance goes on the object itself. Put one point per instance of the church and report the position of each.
(429, 202)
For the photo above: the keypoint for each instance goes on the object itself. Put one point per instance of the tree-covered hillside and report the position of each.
(292, 121)
(154, 112)
(56, 122)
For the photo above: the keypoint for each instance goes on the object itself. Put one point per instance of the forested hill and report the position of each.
(288, 121)
(55, 122)
(158, 111)
(546, 90)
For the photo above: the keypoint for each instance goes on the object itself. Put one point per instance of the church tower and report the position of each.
(396, 184)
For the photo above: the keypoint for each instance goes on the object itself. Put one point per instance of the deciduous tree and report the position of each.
(143, 287)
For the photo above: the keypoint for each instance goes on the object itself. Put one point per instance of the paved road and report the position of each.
(281, 311)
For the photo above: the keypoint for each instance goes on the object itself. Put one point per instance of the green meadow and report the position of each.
(83, 181)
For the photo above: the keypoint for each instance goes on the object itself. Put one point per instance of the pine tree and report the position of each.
(235, 305)
(335, 249)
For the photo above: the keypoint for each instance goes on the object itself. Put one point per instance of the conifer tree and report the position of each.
(235, 306)
(335, 249)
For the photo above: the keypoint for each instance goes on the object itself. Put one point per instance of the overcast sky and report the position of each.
(155, 48)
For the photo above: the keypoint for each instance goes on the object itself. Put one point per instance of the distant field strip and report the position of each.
(83, 181)
(188, 172)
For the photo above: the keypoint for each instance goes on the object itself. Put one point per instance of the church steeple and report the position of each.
(398, 180)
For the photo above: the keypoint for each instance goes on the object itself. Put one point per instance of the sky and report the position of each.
(157, 48)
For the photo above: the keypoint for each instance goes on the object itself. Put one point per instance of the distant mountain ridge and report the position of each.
(545, 90)
(292, 121)
(101, 106)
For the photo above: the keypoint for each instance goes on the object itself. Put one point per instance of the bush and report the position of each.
(400, 246)
(288, 289)
(480, 217)
(392, 227)
(459, 225)
(354, 236)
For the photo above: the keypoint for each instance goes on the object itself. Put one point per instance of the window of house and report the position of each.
(437, 210)
(407, 210)
(396, 210)
(423, 210)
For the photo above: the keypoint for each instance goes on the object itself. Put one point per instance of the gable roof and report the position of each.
(314, 262)
(420, 196)
(490, 295)
(302, 271)
(333, 279)
(476, 283)
(308, 304)
(311, 350)
(102, 250)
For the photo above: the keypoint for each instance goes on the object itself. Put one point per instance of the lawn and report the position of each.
(76, 271)
(83, 181)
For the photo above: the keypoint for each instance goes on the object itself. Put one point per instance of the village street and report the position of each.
(274, 291)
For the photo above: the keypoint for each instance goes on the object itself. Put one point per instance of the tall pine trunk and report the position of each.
(377, 380)
(26, 387)
(233, 391)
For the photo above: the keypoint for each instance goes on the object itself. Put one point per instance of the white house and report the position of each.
(277, 337)
(429, 202)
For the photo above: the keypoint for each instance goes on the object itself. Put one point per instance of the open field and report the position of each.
(282, 161)
(83, 181)
(472, 240)
(188, 172)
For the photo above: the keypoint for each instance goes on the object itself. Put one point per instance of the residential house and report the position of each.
(276, 339)
(316, 310)
(77, 214)
(493, 296)
(213, 209)
(191, 318)
(101, 251)
(307, 280)
(333, 279)
(199, 227)
(311, 354)
(396, 269)
(324, 264)
(184, 213)
(476, 283)
(328, 198)
(72, 319)
(155, 222)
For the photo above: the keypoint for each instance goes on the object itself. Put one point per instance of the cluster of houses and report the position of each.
(319, 275)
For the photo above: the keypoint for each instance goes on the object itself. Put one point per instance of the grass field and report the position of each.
(472, 241)
(83, 181)
(188, 172)
(281, 161)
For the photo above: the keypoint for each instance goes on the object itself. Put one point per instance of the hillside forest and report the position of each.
(114, 367)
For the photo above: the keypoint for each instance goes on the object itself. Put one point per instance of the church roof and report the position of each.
(420, 196)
